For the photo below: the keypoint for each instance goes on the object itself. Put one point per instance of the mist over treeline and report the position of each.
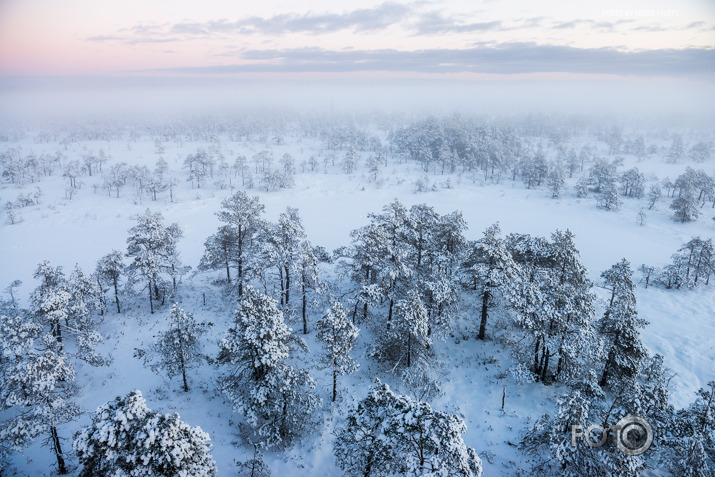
(159, 98)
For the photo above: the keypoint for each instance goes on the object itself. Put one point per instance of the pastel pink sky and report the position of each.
(323, 38)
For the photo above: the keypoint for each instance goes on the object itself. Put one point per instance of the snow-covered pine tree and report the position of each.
(307, 267)
(552, 301)
(620, 325)
(654, 194)
(152, 247)
(281, 249)
(551, 439)
(556, 179)
(393, 270)
(51, 300)
(366, 254)
(243, 215)
(338, 335)
(127, 438)
(489, 268)
(179, 348)
(37, 389)
(392, 434)
(110, 268)
(172, 265)
(608, 197)
(407, 342)
(685, 207)
(254, 467)
(220, 251)
(695, 261)
(276, 399)
(571, 324)
(85, 299)
(692, 437)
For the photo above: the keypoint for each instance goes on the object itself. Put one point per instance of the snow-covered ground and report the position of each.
(81, 230)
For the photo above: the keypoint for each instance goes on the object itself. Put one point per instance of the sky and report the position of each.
(655, 38)
(667, 43)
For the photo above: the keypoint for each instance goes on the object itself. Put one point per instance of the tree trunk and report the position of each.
(56, 446)
(183, 375)
(151, 304)
(545, 369)
(604, 376)
(240, 262)
(287, 290)
(116, 295)
(305, 307)
(409, 350)
(280, 276)
(57, 332)
(389, 315)
(335, 379)
(485, 313)
(228, 272)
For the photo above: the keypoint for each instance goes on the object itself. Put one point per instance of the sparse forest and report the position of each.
(355, 294)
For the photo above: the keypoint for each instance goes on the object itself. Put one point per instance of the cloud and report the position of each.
(435, 23)
(509, 58)
(360, 20)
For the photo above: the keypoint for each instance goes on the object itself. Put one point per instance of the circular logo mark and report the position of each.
(634, 435)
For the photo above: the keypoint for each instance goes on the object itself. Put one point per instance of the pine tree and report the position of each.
(392, 434)
(339, 336)
(556, 180)
(690, 437)
(685, 207)
(620, 325)
(153, 249)
(85, 299)
(37, 390)
(254, 467)
(276, 399)
(369, 247)
(407, 342)
(221, 251)
(281, 249)
(178, 348)
(307, 265)
(51, 300)
(243, 215)
(695, 261)
(128, 438)
(654, 194)
(110, 267)
(489, 268)
(393, 270)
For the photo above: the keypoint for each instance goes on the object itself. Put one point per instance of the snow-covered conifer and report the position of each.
(152, 247)
(179, 348)
(276, 399)
(243, 215)
(338, 335)
(51, 300)
(220, 251)
(620, 325)
(281, 249)
(110, 268)
(127, 438)
(36, 393)
(489, 268)
(393, 434)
